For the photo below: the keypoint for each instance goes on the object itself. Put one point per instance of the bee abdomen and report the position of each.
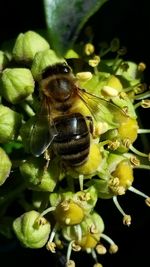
(73, 140)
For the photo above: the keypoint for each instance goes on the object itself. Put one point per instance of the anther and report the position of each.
(51, 246)
(100, 249)
(126, 218)
(113, 247)
(89, 49)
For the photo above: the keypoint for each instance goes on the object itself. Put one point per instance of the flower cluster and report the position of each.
(62, 198)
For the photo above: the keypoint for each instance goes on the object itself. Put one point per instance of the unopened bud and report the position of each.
(36, 177)
(5, 166)
(3, 60)
(16, 84)
(10, 123)
(29, 235)
(42, 60)
(27, 45)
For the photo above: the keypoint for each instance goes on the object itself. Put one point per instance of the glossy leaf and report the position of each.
(65, 18)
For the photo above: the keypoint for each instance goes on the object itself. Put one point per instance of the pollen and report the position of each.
(109, 91)
(100, 128)
(84, 76)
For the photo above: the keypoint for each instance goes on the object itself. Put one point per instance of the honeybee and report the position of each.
(57, 126)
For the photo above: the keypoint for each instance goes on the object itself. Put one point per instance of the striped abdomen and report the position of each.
(73, 140)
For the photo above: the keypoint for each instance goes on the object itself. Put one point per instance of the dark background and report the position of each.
(130, 21)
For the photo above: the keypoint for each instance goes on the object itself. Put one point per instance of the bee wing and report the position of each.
(43, 131)
(101, 109)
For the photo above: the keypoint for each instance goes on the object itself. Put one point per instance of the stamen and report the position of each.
(50, 244)
(78, 231)
(141, 66)
(142, 96)
(134, 161)
(139, 153)
(97, 265)
(115, 187)
(138, 192)
(76, 247)
(142, 166)
(81, 178)
(94, 61)
(100, 249)
(52, 235)
(94, 255)
(143, 131)
(47, 211)
(51, 247)
(89, 49)
(69, 250)
(145, 103)
(126, 218)
(113, 247)
(70, 263)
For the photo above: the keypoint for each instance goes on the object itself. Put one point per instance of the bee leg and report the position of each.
(91, 124)
(47, 157)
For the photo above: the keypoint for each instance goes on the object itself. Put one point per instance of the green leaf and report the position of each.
(65, 19)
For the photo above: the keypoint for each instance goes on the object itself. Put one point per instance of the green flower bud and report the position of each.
(27, 45)
(27, 232)
(16, 84)
(36, 177)
(10, 122)
(5, 166)
(3, 60)
(42, 60)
